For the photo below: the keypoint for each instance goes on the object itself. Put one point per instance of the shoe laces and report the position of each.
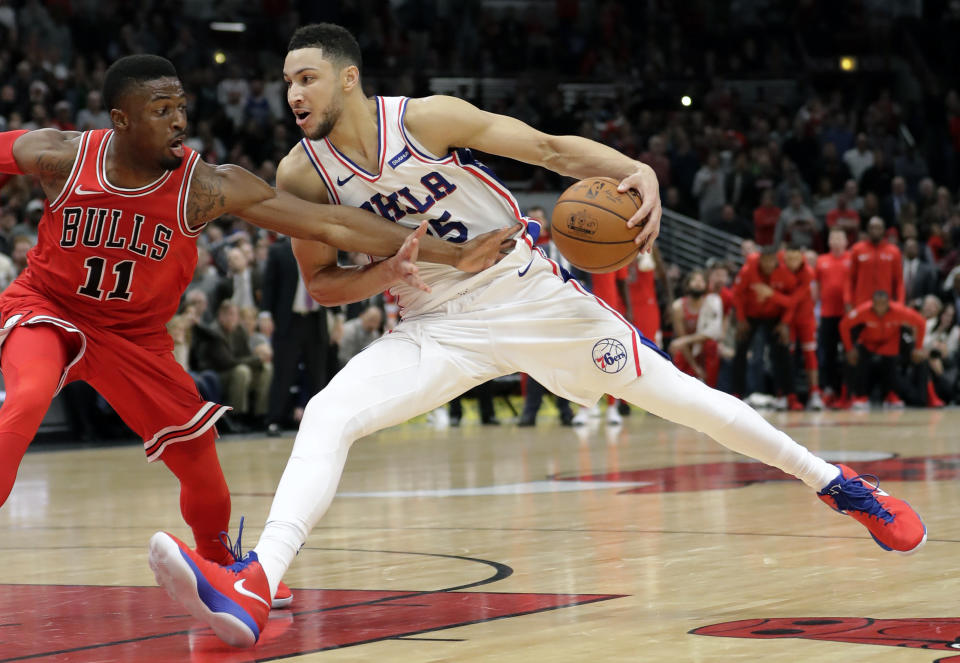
(235, 549)
(856, 494)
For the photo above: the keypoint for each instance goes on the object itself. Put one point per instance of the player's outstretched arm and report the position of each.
(47, 153)
(230, 189)
(332, 285)
(441, 123)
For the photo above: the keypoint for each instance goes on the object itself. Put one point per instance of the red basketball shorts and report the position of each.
(146, 386)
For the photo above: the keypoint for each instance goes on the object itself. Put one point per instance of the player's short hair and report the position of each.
(130, 71)
(881, 294)
(768, 250)
(337, 43)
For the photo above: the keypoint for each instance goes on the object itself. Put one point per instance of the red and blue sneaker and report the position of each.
(234, 600)
(892, 523)
(283, 597)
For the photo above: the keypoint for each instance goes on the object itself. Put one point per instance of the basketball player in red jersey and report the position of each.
(641, 284)
(117, 247)
(698, 327)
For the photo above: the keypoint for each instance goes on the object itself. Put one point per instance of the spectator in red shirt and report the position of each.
(832, 274)
(844, 217)
(765, 219)
(760, 307)
(875, 264)
(874, 356)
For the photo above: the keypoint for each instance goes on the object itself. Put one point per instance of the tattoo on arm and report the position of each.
(54, 169)
(207, 199)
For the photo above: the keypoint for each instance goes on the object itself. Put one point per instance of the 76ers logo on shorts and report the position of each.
(609, 355)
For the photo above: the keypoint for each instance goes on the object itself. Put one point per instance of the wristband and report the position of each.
(7, 163)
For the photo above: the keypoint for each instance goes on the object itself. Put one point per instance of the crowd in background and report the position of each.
(777, 146)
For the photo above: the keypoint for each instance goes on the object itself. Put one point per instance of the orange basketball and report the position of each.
(589, 225)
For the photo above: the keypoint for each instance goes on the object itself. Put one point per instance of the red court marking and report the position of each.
(71, 624)
(719, 476)
(937, 634)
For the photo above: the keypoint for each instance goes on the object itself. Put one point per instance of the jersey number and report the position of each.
(443, 227)
(123, 272)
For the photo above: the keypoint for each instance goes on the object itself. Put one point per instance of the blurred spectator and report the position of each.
(831, 167)
(21, 246)
(832, 275)
(911, 167)
(708, 189)
(740, 185)
(360, 332)
(225, 348)
(259, 327)
(643, 274)
(31, 220)
(875, 264)
(245, 282)
(940, 344)
(698, 328)
(733, 223)
(180, 327)
(896, 201)
(801, 321)
(93, 116)
(871, 337)
(876, 179)
(656, 158)
(843, 217)
(851, 191)
(300, 335)
(765, 219)
(760, 311)
(919, 276)
(859, 158)
(824, 200)
(796, 223)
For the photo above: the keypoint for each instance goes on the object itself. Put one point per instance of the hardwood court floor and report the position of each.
(511, 544)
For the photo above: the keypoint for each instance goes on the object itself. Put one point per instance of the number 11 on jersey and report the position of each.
(123, 274)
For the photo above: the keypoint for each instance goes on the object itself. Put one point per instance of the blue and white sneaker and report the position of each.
(892, 523)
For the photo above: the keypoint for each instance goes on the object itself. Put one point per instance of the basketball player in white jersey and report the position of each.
(410, 160)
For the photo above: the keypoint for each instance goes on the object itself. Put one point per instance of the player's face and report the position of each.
(314, 91)
(793, 259)
(156, 120)
(768, 263)
(881, 304)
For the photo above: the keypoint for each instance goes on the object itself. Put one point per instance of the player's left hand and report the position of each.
(644, 182)
(488, 249)
(402, 265)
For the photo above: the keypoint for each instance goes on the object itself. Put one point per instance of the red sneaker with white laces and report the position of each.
(234, 600)
(892, 523)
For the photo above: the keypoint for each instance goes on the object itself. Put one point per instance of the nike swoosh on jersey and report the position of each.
(342, 182)
(80, 191)
(240, 589)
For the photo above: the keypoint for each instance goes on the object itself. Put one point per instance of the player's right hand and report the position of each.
(488, 249)
(402, 265)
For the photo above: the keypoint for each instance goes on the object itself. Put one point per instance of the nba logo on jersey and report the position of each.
(609, 355)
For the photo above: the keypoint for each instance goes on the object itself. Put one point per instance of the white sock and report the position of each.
(303, 495)
(666, 392)
(278, 545)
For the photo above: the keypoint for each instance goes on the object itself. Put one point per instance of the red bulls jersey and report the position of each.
(118, 259)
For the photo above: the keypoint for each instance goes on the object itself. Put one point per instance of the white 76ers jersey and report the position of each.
(460, 197)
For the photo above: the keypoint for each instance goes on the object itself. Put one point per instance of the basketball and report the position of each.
(589, 225)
